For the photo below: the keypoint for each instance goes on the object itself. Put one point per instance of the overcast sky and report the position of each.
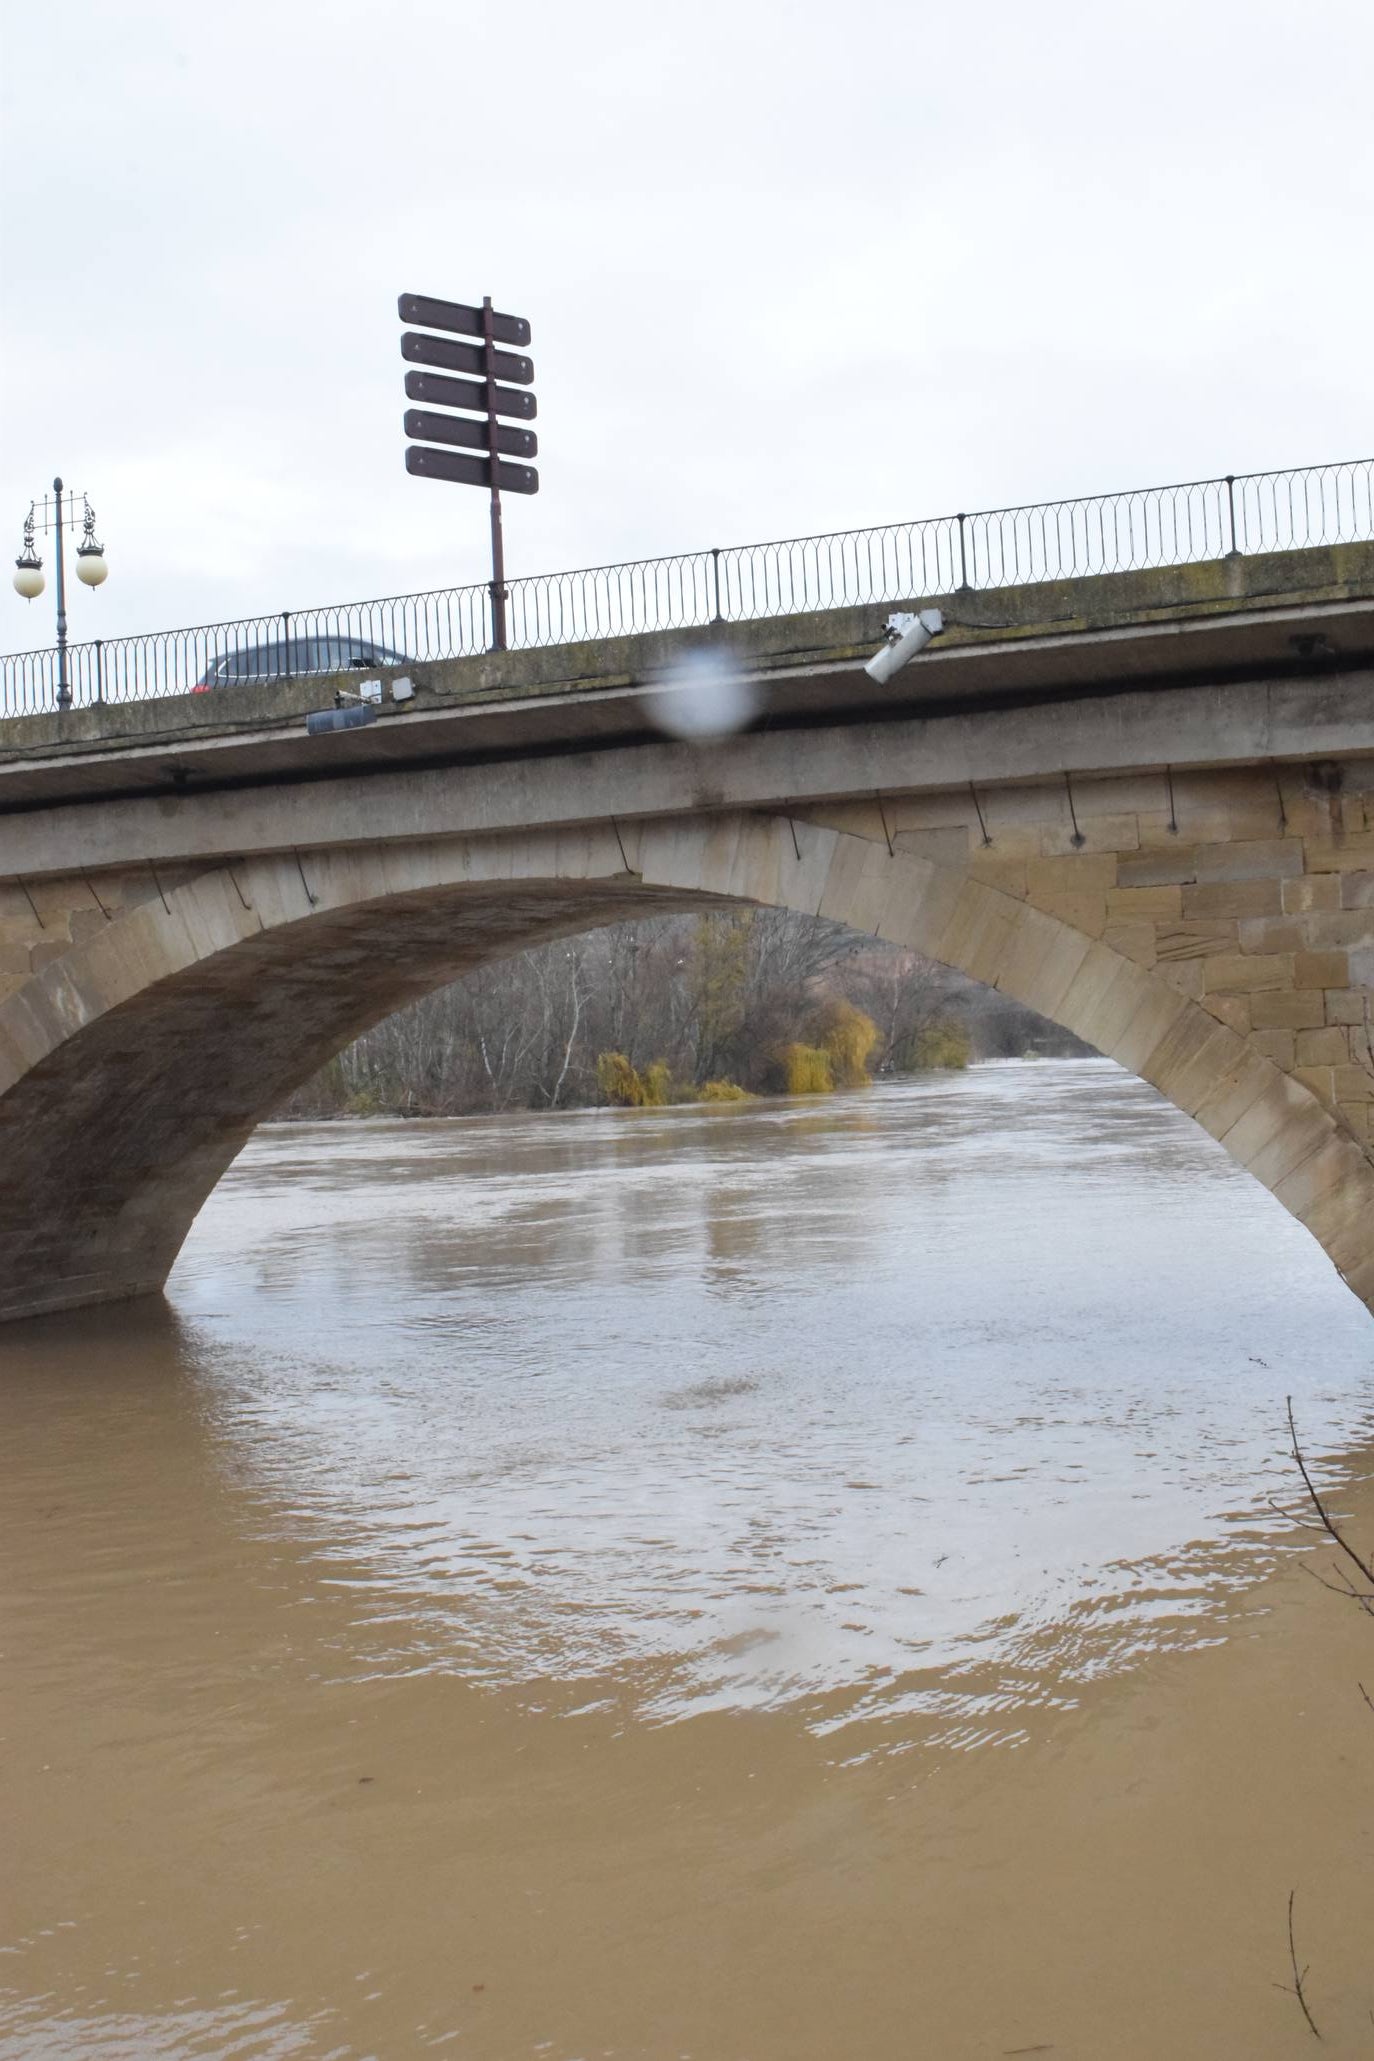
(789, 268)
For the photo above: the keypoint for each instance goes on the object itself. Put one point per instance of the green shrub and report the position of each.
(943, 1044)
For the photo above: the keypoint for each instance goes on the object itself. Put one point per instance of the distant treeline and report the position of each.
(675, 1008)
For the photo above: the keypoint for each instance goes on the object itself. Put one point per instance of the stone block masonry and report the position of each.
(1258, 902)
(149, 1018)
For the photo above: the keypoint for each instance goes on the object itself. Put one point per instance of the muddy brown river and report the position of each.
(777, 1583)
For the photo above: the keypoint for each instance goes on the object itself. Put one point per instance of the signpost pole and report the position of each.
(498, 554)
(463, 415)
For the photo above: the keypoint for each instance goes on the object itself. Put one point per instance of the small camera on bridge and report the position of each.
(368, 695)
(402, 689)
(352, 711)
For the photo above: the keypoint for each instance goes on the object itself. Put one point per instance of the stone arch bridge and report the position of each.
(1142, 805)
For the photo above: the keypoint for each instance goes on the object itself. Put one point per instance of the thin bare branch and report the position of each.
(1296, 1988)
(1291, 1516)
(1328, 1523)
(1339, 1588)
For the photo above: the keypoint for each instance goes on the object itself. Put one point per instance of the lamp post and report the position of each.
(91, 569)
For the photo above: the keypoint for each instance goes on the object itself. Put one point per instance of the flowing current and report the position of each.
(624, 1583)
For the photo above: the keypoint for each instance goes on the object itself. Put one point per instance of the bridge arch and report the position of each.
(135, 1063)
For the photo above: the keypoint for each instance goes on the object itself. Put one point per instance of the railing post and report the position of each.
(1231, 512)
(286, 643)
(716, 616)
(963, 566)
(99, 670)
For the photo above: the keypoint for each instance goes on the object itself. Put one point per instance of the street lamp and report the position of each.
(91, 569)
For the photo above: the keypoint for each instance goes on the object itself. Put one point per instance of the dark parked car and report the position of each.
(298, 655)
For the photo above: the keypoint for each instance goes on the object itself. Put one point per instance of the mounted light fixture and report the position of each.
(28, 567)
(91, 569)
(905, 636)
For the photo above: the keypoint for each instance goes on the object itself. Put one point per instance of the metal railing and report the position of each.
(1054, 540)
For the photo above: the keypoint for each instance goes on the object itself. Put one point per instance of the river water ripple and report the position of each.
(901, 1417)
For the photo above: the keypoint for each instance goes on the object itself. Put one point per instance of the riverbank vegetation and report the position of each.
(705, 1008)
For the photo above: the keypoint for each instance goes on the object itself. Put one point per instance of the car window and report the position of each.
(241, 665)
(254, 662)
(330, 654)
(276, 661)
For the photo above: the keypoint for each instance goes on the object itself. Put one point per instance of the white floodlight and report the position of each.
(906, 635)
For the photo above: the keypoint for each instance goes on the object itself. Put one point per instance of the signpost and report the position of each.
(471, 472)
(482, 398)
(461, 357)
(463, 321)
(472, 436)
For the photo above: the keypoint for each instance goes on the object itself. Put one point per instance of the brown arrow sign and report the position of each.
(470, 472)
(468, 393)
(462, 320)
(463, 357)
(472, 436)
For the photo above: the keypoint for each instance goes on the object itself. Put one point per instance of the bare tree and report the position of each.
(711, 996)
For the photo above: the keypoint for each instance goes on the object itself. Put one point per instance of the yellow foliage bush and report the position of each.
(656, 1082)
(618, 1081)
(847, 1037)
(806, 1070)
(723, 1091)
(627, 1088)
